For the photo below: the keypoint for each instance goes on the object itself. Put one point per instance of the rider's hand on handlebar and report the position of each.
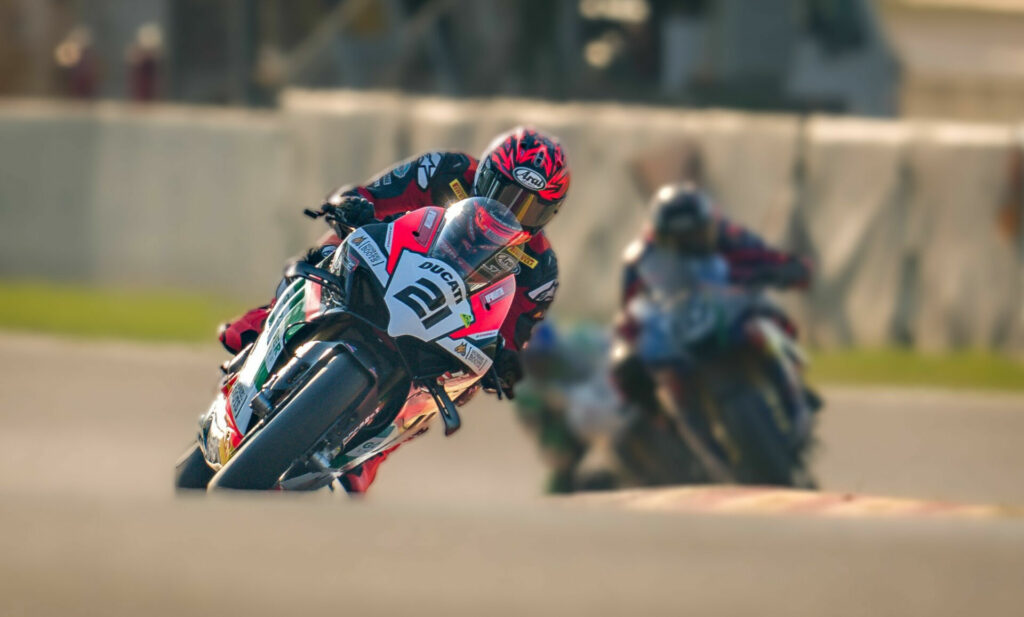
(354, 211)
(344, 213)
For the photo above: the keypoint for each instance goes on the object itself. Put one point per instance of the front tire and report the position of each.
(263, 459)
(191, 471)
(767, 454)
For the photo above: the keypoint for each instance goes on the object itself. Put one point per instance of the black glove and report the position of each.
(354, 211)
(504, 374)
(792, 273)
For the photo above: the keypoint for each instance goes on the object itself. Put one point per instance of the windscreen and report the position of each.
(476, 233)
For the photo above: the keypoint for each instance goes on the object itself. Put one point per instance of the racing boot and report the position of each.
(235, 335)
(357, 481)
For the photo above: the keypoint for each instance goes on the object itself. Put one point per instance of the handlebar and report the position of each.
(332, 215)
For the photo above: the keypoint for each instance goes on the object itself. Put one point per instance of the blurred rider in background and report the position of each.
(700, 246)
(566, 400)
(524, 169)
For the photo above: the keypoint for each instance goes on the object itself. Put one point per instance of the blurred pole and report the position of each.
(440, 56)
(38, 21)
(415, 32)
(305, 54)
(242, 28)
(568, 46)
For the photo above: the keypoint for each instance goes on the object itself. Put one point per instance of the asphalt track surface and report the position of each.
(89, 524)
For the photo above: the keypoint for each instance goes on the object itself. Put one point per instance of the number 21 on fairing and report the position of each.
(425, 298)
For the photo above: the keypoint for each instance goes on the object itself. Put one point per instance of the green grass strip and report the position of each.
(146, 315)
(960, 370)
(149, 315)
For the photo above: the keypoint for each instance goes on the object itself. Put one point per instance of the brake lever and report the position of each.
(330, 214)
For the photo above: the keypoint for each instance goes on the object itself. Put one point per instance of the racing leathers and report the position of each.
(432, 179)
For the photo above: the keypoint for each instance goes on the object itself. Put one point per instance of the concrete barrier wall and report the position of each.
(163, 197)
(46, 182)
(852, 214)
(187, 200)
(914, 227)
(968, 276)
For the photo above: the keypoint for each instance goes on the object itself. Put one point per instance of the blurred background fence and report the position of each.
(915, 225)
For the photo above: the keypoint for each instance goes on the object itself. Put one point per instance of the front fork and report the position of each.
(785, 359)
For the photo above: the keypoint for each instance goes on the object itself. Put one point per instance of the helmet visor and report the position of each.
(521, 202)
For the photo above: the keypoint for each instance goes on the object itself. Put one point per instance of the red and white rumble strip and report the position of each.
(768, 500)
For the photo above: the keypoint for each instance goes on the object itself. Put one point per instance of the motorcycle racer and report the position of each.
(703, 246)
(525, 170)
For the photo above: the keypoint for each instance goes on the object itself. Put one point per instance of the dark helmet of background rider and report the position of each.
(526, 170)
(682, 219)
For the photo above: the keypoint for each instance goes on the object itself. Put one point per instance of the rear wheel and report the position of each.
(260, 462)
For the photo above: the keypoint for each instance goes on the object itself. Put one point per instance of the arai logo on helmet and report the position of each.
(529, 178)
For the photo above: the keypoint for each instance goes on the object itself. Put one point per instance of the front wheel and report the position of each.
(263, 459)
(191, 471)
(767, 454)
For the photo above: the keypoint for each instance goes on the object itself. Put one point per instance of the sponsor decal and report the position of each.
(500, 265)
(401, 170)
(460, 193)
(494, 295)
(519, 254)
(426, 168)
(369, 444)
(529, 178)
(467, 320)
(237, 399)
(506, 261)
(447, 277)
(430, 218)
(366, 422)
(365, 247)
(472, 355)
(544, 293)
(423, 232)
(477, 359)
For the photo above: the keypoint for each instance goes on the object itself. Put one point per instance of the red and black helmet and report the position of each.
(527, 171)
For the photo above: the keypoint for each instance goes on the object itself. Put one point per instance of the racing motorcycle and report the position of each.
(362, 351)
(728, 374)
